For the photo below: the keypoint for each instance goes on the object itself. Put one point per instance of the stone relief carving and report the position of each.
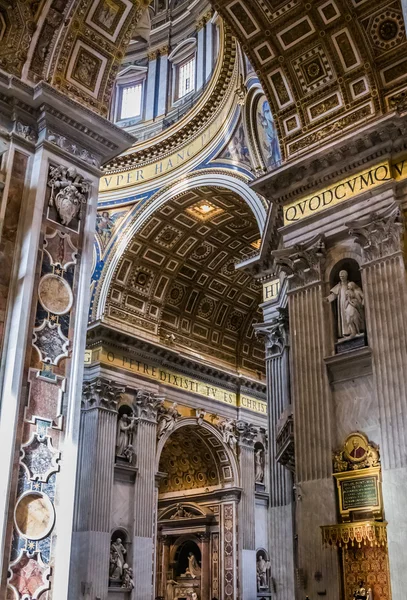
(26, 131)
(379, 235)
(68, 191)
(350, 307)
(181, 513)
(50, 342)
(126, 429)
(166, 417)
(227, 428)
(72, 148)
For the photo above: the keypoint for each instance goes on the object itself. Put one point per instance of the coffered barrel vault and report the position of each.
(177, 280)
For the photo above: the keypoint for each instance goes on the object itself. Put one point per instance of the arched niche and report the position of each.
(220, 457)
(347, 305)
(181, 553)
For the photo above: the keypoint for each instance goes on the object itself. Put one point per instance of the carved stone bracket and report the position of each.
(302, 263)
(101, 393)
(379, 235)
(276, 333)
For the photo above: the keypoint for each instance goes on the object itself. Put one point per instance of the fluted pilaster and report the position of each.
(145, 494)
(247, 506)
(385, 292)
(281, 482)
(95, 485)
(312, 413)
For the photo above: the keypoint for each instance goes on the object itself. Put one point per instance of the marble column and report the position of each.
(281, 508)
(200, 56)
(145, 497)
(209, 50)
(312, 413)
(151, 85)
(63, 145)
(247, 506)
(163, 82)
(385, 291)
(93, 503)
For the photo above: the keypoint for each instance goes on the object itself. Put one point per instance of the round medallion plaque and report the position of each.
(34, 516)
(55, 295)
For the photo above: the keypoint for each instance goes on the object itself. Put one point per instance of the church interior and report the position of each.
(203, 299)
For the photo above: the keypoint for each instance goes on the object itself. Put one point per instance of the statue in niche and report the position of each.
(193, 566)
(127, 577)
(263, 572)
(124, 439)
(350, 307)
(167, 417)
(117, 560)
(259, 465)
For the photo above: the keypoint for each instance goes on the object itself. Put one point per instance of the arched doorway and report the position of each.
(196, 547)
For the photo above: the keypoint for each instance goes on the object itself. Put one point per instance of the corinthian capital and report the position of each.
(246, 433)
(379, 234)
(146, 405)
(275, 333)
(101, 393)
(302, 263)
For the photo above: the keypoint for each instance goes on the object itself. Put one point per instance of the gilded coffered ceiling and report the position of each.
(192, 459)
(327, 66)
(176, 281)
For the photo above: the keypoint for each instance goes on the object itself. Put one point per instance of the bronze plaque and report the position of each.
(360, 493)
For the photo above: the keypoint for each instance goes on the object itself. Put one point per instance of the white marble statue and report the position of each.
(263, 572)
(117, 559)
(227, 428)
(124, 439)
(259, 465)
(349, 298)
(127, 577)
(167, 417)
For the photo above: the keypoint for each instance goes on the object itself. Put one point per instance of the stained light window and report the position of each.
(186, 78)
(131, 101)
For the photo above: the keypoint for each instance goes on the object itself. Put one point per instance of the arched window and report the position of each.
(130, 91)
(183, 60)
